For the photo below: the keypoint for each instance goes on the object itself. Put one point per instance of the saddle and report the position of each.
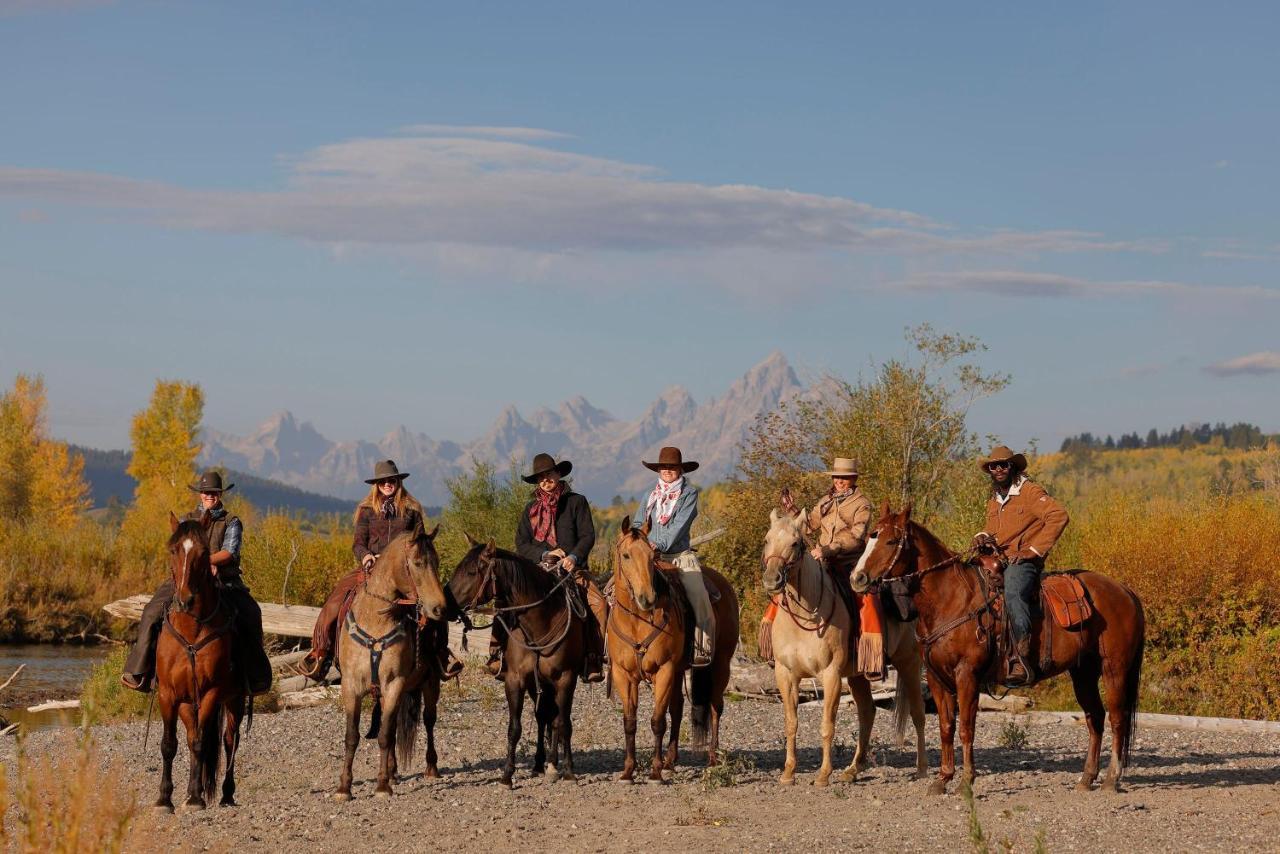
(1062, 596)
(672, 573)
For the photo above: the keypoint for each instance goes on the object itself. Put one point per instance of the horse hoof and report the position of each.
(922, 775)
(626, 778)
(553, 774)
(228, 802)
(382, 793)
(1084, 786)
(822, 782)
(164, 808)
(667, 775)
(342, 796)
(432, 773)
(850, 775)
(786, 781)
(937, 787)
(193, 806)
(507, 782)
(568, 776)
(537, 772)
(1110, 786)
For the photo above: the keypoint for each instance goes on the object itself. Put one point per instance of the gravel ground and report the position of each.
(1187, 790)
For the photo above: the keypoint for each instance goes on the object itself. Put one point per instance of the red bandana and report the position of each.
(542, 514)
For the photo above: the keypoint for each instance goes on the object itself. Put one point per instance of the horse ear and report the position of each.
(491, 547)
(625, 530)
(431, 535)
(472, 542)
(884, 508)
(906, 511)
(648, 526)
(773, 517)
(173, 523)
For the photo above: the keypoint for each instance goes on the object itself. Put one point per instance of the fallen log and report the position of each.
(21, 667)
(1157, 721)
(53, 705)
(279, 661)
(307, 697)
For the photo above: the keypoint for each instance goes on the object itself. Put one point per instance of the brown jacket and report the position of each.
(1028, 524)
(373, 533)
(842, 530)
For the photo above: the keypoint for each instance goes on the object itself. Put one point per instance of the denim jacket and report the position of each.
(673, 537)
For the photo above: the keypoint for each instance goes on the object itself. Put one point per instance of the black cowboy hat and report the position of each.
(1001, 454)
(386, 470)
(670, 458)
(210, 481)
(544, 463)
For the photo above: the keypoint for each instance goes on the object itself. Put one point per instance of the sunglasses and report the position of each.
(1000, 465)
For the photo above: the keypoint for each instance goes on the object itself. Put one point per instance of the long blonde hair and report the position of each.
(403, 500)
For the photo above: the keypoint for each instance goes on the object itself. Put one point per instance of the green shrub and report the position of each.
(103, 698)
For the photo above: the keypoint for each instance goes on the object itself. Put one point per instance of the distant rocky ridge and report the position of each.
(605, 450)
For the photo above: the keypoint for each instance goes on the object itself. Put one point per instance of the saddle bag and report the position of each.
(1066, 598)
(895, 598)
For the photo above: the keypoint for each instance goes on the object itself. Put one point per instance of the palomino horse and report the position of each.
(646, 638)
(194, 679)
(811, 639)
(380, 652)
(546, 644)
(958, 637)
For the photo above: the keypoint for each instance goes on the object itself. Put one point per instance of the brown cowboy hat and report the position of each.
(210, 481)
(544, 463)
(386, 470)
(843, 467)
(670, 458)
(1000, 454)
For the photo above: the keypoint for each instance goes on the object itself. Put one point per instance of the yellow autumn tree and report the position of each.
(165, 440)
(39, 477)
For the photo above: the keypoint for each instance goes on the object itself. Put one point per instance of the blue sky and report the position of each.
(415, 213)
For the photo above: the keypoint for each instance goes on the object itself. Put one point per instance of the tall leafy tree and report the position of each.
(39, 477)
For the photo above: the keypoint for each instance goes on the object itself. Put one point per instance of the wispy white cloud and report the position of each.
(1257, 364)
(529, 134)
(1018, 283)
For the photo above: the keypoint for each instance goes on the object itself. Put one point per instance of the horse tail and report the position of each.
(1133, 679)
(408, 714)
(700, 689)
(211, 754)
(901, 707)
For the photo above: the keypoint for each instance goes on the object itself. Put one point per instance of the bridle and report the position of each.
(640, 647)
(488, 591)
(790, 597)
(413, 600)
(192, 649)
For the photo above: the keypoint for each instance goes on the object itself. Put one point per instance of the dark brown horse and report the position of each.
(194, 680)
(381, 651)
(647, 641)
(957, 635)
(546, 644)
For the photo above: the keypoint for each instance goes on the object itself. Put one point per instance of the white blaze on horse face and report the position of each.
(873, 542)
(187, 545)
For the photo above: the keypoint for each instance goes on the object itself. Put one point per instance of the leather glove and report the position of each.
(983, 540)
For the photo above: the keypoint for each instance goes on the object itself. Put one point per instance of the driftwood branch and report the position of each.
(284, 586)
(52, 705)
(21, 667)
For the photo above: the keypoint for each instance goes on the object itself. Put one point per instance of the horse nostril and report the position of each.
(436, 612)
(860, 581)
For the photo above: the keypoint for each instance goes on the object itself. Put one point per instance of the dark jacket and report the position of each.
(575, 532)
(373, 533)
(228, 573)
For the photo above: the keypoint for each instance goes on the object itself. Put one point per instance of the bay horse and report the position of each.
(647, 638)
(958, 639)
(811, 639)
(194, 677)
(381, 652)
(546, 645)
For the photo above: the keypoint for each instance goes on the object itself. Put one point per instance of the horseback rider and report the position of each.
(1023, 524)
(385, 513)
(837, 528)
(556, 531)
(670, 510)
(226, 533)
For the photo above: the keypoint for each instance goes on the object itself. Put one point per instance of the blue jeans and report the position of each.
(1021, 592)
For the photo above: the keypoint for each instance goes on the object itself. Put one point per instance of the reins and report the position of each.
(379, 644)
(792, 597)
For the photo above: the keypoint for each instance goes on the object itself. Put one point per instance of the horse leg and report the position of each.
(168, 749)
(564, 724)
(915, 700)
(1121, 679)
(676, 708)
(946, 703)
(430, 704)
(387, 738)
(830, 708)
(351, 706)
(542, 716)
(967, 712)
(628, 694)
(1084, 678)
(789, 689)
(230, 746)
(187, 711)
(515, 708)
(860, 688)
(663, 681)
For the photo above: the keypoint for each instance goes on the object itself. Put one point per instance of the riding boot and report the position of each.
(593, 657)
(497, 662)
(1021, 673)
(703, 653)
(450, 665)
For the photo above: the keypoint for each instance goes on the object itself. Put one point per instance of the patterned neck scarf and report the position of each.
(832, 499)
(389, 508)
(542, 514)
(664, 498)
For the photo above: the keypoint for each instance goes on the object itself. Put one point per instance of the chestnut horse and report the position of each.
(546, 644)
(957, 635)
(194, 679)
(380, 651)
(811, 639)
(646, 638)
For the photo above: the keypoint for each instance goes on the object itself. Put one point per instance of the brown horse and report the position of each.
(194, 680)
(381, 651)
(546, 644)
(958, 637)
(646, 638)
(811, 639)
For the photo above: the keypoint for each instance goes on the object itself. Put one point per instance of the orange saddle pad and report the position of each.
(1066, 600)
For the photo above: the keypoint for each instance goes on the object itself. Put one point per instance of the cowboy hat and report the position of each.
(386, 470)
(210, 481)
(670, 458)
(843, 467)
(544, 463)
(1001, 454)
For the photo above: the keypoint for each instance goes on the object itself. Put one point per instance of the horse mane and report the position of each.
(928, 537)
(526, 580)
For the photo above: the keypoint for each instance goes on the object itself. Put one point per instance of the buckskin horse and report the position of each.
(647, 641)
(957, 629)
(811, 639)
(194, 678)
(380, 651)
(546, 644)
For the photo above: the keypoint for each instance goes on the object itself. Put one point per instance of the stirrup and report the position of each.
(135, 683)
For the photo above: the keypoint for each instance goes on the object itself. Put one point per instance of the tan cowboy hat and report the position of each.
(386, 470)
(544, 463)
(670, 458)
(1000, 454)
(843, 467)
(210, 481)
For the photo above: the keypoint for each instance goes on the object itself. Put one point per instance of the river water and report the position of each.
(53, 672)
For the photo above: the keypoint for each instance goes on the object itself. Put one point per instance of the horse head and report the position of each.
(472, 583)
(421, 568)
(888, 550)
(634, 560)
(189, 564)
(783, 548)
